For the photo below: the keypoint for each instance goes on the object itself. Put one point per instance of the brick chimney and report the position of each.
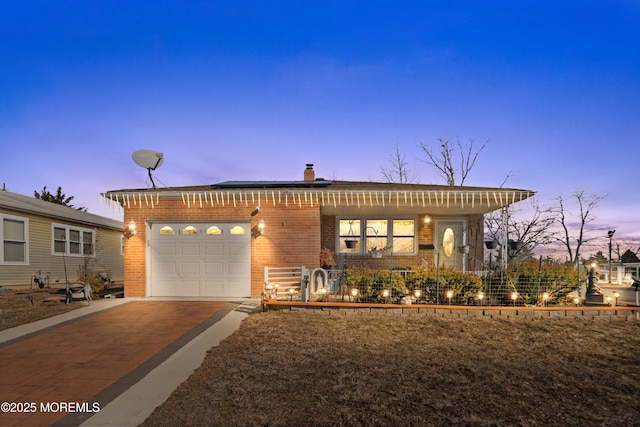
(309, 174)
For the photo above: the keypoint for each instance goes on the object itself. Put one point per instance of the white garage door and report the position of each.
(212, 259)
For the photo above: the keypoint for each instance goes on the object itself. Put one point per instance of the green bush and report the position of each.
(436, 283)
(370, 283)
(531, 280)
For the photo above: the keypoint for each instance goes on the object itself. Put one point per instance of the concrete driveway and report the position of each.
(110, 363)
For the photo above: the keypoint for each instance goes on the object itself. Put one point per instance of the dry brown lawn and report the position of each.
(18, 307)
(299, 369)
(21, 306)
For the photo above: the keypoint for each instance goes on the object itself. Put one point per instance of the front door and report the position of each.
(450, 243)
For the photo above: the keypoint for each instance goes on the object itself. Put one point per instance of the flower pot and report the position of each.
(516, 246)
(491, 244)
(376, 253)
(351, 243)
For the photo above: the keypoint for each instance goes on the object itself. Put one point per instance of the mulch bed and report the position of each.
(18, 307)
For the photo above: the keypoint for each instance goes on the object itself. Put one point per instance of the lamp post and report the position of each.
(610, 236)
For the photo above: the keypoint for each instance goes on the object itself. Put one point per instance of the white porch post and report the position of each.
(505, 238)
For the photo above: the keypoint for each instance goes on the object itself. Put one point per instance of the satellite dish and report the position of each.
(148, 159)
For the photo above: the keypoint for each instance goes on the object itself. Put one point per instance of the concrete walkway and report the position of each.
(111, 363)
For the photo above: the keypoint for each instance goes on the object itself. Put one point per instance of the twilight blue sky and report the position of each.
(241, 90)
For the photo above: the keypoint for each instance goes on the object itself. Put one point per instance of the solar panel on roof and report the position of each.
(271, 184)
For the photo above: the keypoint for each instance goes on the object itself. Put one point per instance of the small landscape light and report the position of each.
(609, 300)
(576, 301)
(417, 293)
(514, 297)
(354, 292)
(616, 295)
(449, 296)
(480, 297)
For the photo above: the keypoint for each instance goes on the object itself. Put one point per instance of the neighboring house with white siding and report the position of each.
(40, 236)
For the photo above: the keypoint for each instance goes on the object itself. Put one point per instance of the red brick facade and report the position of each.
(291, 236)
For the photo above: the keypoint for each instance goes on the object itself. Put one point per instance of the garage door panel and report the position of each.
(190, 249)
(216, 265)
(214, 249)
(236, 287)
(212, 288)
(238, 249)
(190, 288)
(214, 268)
(167, 268)
(166, 249)
(237, 268)
(190, 268)
(165, 287)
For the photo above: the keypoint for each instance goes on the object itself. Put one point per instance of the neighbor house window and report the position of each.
(69, 240)
(400, 234)
(14, 237)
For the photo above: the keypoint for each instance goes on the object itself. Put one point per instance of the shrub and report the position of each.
(436, 283)
(531, 280)
(370, 283)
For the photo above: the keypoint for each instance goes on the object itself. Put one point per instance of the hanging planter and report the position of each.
(515, 246)
(376, 253)
(351, 243)
(491, 244)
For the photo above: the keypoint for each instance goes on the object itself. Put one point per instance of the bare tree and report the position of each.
(531, 231)
(399, 171)
(574, 232)
(443, 160)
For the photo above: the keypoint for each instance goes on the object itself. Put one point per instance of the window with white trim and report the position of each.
(377, 233)
(14, 234)
(75, 241)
